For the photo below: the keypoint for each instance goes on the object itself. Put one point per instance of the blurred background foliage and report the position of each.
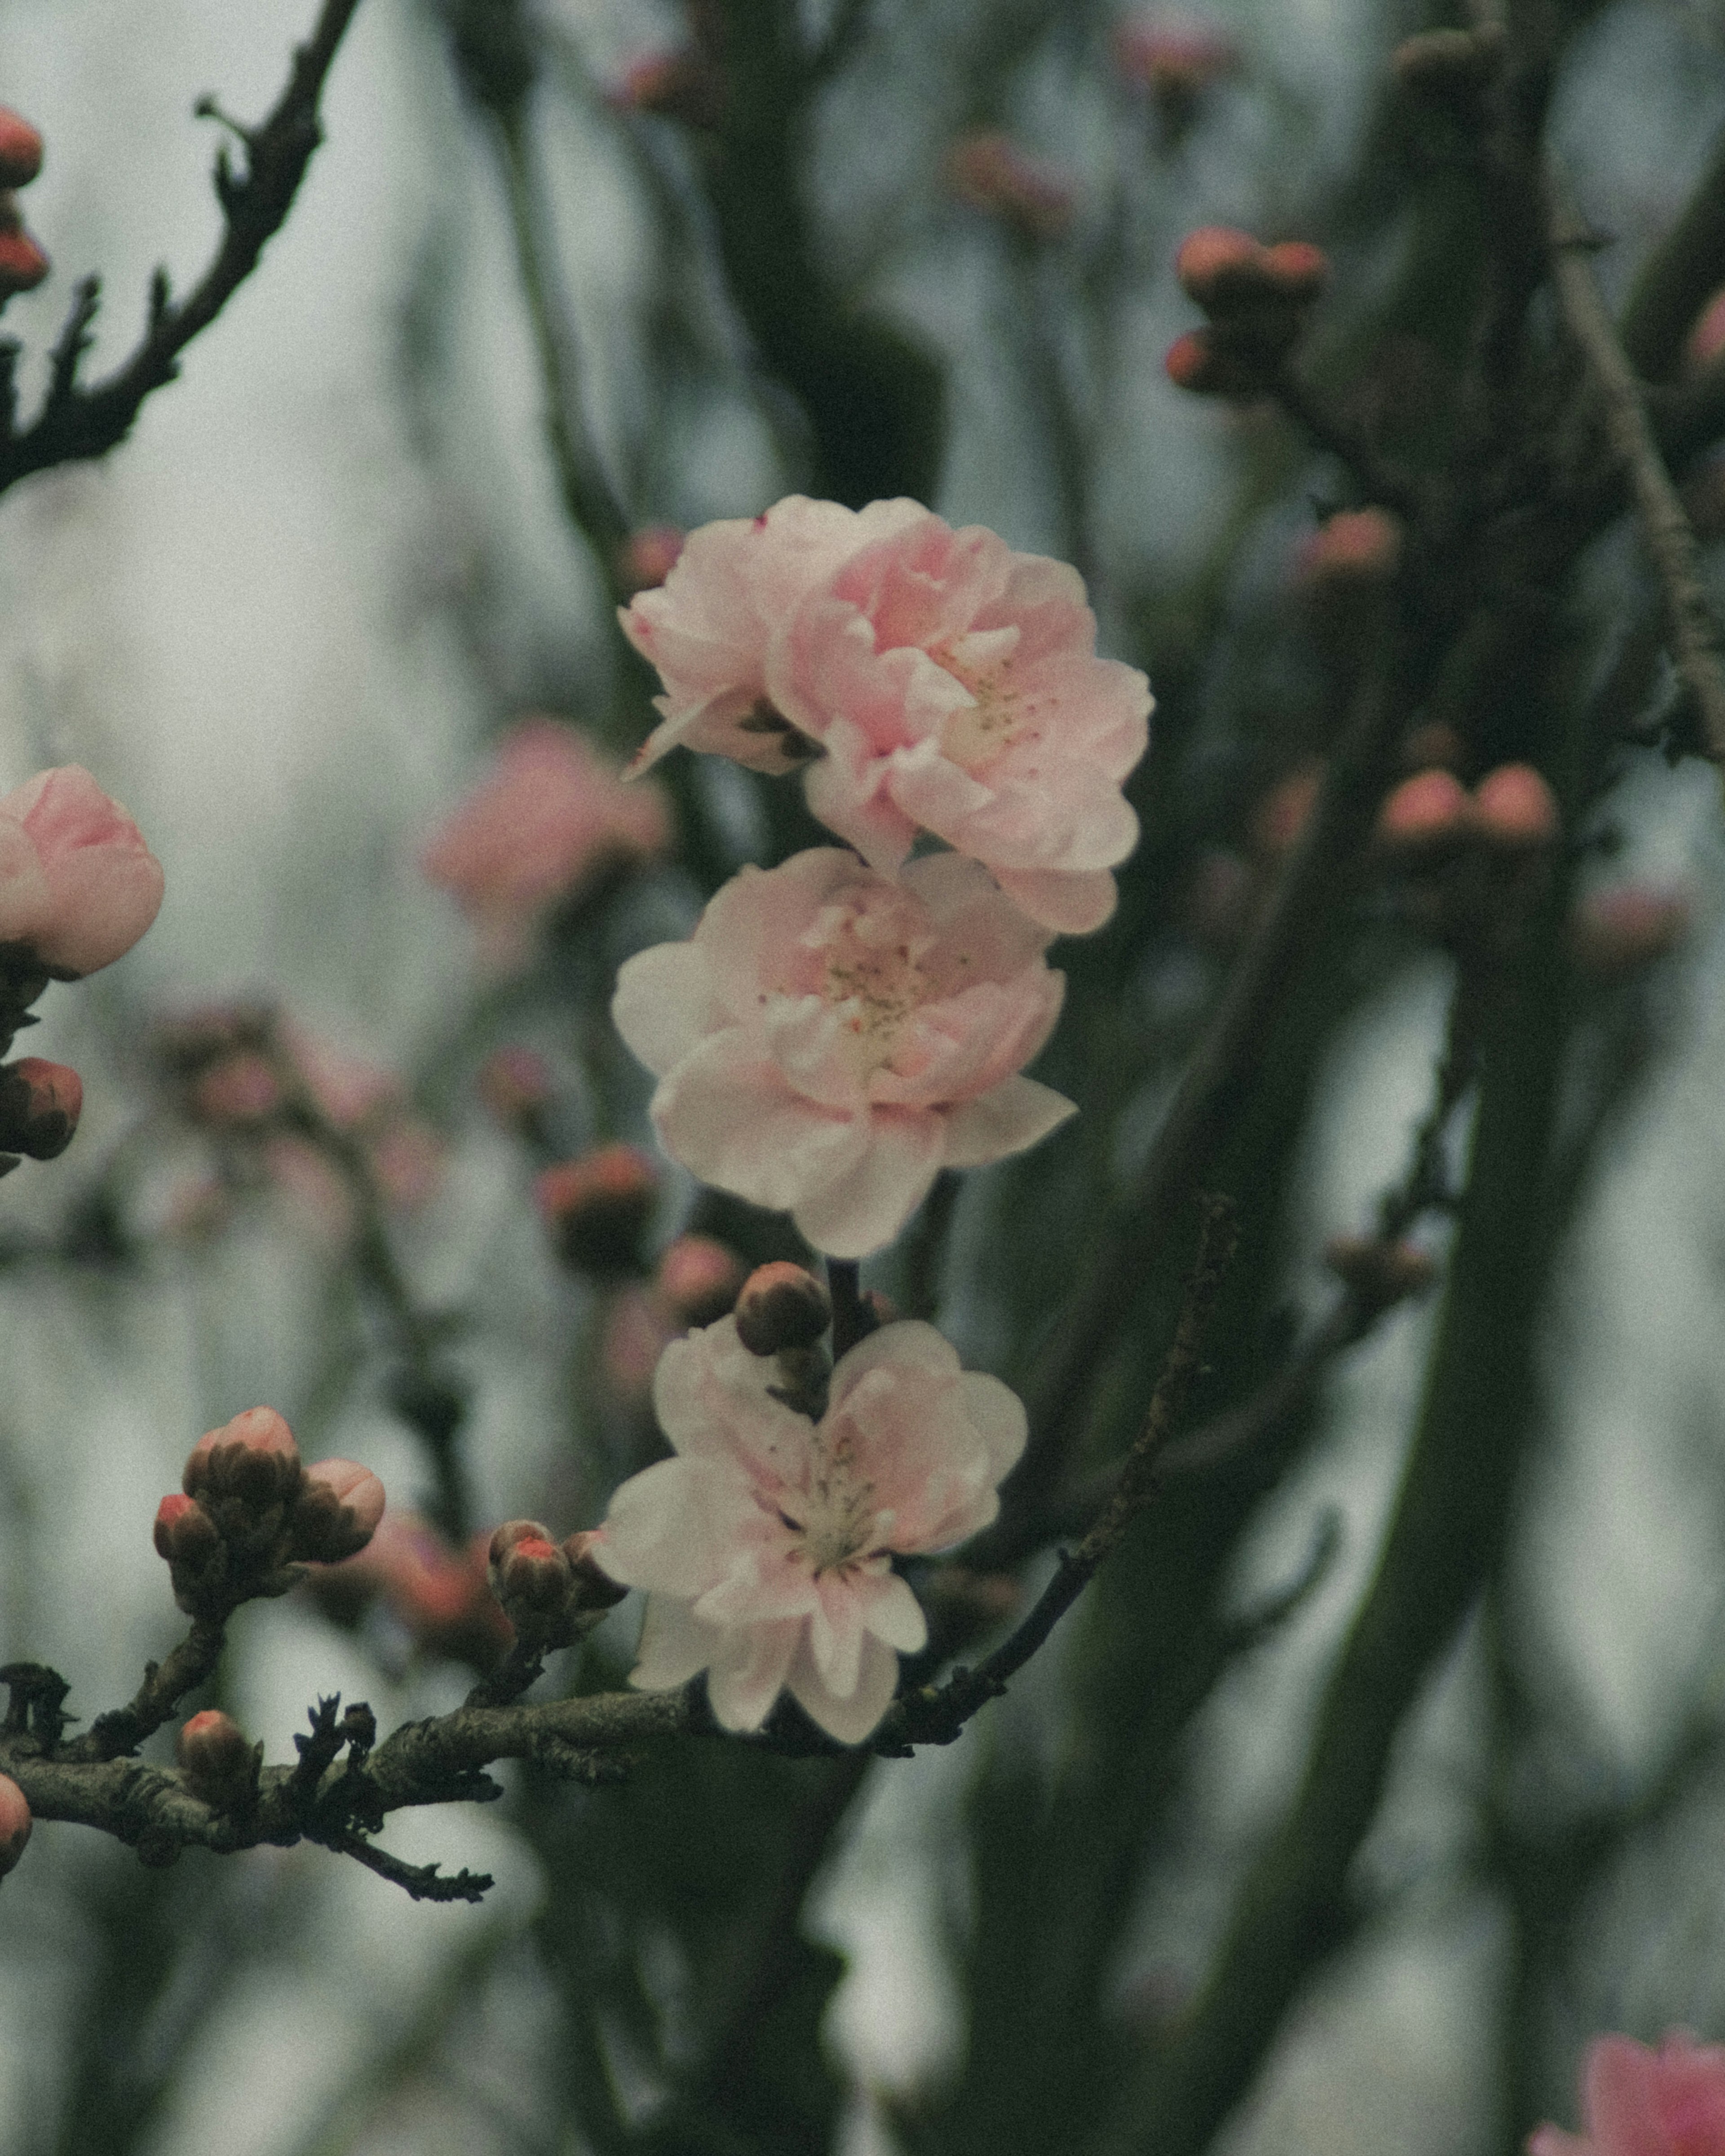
(566, 272)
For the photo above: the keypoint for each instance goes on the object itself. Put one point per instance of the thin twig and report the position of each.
(75, 423)
(1695, 642)
(165, 1684)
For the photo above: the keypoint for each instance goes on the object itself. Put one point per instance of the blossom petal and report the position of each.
(732, 1118)
(998, 1414)
(674, 1528)
(675, 1647)
(1015, 1115)
(1072, 902)
(864, 1209)
(851, 1718)
(748, 1670)
(664, 1005)
(892, 1612)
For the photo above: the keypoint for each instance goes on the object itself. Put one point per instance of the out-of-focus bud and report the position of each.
(1706, 339)
(1219, 899)
(1357, 550)
(20, 149)
(1449, 65)
(1282, 815)
(1616, 933)
(23, 263)
(440, 1595)
(515, 1085)
(699, 1278)
(675, 85)
(1199, 361)
(880, 1307)
(252, 1458)
(1515, 810)
(647, 558)
(1379, 1274)
(592, 1587)
(1426, 816)
(988, 170)
(1296, 271)
(336, 1512)
(239, 1089)
(597, 1208)
(1221, 268)
(1175, 58)
(217, 1762)
(782, 1306)
(15, 1823)
(39, 1107)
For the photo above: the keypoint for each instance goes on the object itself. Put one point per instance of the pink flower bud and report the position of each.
(236, 1089)
(20, 149)
(23, 263)
(531, 1580)
(699, 1278)
(1220, 268)
(1643, 2102)
(1616, 933)
(1706, 339)
(989, 171)
(1515, 809)
(1295, 271)
(102, 885)
(515, 1084)
(39, 1107)
(439, 1595)
(15, 1823)
(647, 558)
(1356, 548)
(1283, 814)
(1173, 57)
(213, 1755)
(675, 85)
(1380, 1274)
(597, 1207)
(594, 1587)
(1199, 363)
(1428, 815)
(183, 1529)
(252, 1457)
(503, 1538)
(782, 1306)
(336, 1512)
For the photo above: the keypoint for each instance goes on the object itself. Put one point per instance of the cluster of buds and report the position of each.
(220, 1765)
(1470, 860)
(249, 1513)
(23, 265)
(988, 170)
(553, 1594)
(1257, 298)
(15, 1823)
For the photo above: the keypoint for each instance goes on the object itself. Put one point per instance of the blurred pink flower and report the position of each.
(766, 1545)
(941, 682)
(989, 171)
(552, 815)
(1174, 57)
(829, 1040)
(1643, 2102)
(78, 885)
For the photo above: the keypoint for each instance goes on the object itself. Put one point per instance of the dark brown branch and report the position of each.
(935, 1716)
(1670, 542)
(1678, 277)
(75, 424)
(165, 1684)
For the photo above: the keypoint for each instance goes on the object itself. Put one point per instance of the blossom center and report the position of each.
(836, 1523)
(1000, 715)
(872, 975)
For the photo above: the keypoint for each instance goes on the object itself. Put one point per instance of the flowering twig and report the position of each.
(1670, 541)
(934, 1716)
(75, 422)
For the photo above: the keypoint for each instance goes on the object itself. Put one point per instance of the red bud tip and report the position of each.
(504, 1539)
(699, 1278)
(1429, 814)
(23, 263)
(598, 1206)
(1706, 339)
(675, 85)
(40, 1104)
(1516, 809)
(1217, 263)
(1354, 548)
(1298, 270)
(20, 149)
(781, 1306)
(1614, 933)
(214, 1757)
(15, 1823)
(532, 1580)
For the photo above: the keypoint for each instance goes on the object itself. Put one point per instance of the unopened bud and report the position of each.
(1355, 550)
(531, 1580)
(675, 85)
(1173, 58)
(1220, 268)
(1616, 933)
(1380, 1274)
(503, 1538)
(1516, 811)
(699, 1277)
(1427, 815)
(20, 149)
(1296, 271)
(597, 1208)
(1706, 339)
(989, 171)
(336, 1513)
(515, 1085)
(647, 558)
(781, 1306)
(184, 1532)
(1199, 361)
(23, 263)
(15, 1823)
(39, 1107)
(252, 1458)
(217, 1762)
(239, 1089)
(594, 1587)
(1282, 816)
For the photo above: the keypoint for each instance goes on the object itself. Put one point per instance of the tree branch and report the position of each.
(75, 424)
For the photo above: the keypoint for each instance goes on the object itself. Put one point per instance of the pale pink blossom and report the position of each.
(940, 681)
(766, 1545)
(552, 816)
(1643, 2102)
(78, 885)
(829, 1039)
